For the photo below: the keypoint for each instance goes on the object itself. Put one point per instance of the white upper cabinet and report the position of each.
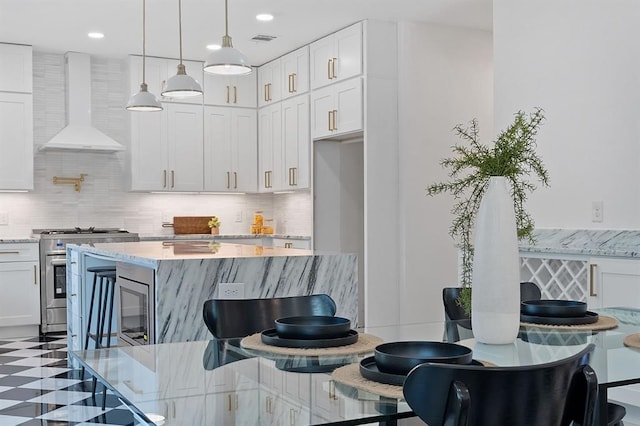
(336, 57)
(296, 142)
(295, 73)
(16, 64)
(230, 149)
(337, 109)
(270, 148)
(270, 83)
(230, 90)
(158, 71)
(167, 149)
(16, 141)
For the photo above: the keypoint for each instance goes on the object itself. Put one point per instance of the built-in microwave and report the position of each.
(135, 313)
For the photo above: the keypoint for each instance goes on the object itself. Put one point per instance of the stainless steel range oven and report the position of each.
(53, 268)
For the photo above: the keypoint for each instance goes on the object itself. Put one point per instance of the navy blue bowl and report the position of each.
(554, 308)
(401, 357)
(312, 327)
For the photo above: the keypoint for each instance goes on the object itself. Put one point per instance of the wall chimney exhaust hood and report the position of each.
(79, 135)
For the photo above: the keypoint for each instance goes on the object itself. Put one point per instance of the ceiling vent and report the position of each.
(263, 37)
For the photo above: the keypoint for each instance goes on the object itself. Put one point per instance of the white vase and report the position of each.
(495, 301)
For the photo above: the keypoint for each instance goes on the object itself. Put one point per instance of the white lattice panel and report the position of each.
(557, 278)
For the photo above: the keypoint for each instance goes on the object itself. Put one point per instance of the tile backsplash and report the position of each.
(104, 200)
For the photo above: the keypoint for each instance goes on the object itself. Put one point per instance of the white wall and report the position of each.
(579, 61)
(103, 200)
(445, 78)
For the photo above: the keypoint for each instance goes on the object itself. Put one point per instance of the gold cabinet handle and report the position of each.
(229, 399)
(288, 245)
(329, 68)
(9, 252)
(269, 176)
(265, 93)
(293, 83)
(164, 178)
(227, 94)
(35, 275)
(332, 390)
(235, 95)
(333, 68)
(268, 405)
(173, 179)
(290, 176)
(329, 120)
(266, 179)
(235, 180)
(292, 416)
(592, 273)
(335, 119)
(228, 179)
(295, 176)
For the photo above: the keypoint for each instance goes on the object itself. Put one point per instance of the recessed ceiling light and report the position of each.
(264, 17)
(213, 46)
(95, 35)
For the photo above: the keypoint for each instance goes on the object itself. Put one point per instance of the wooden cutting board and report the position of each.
(191, 225)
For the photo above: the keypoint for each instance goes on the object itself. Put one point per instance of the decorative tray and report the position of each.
(588, 318)
(271, 337)
(312, 327)
(554, 308)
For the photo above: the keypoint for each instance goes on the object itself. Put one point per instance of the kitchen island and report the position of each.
(187, 273)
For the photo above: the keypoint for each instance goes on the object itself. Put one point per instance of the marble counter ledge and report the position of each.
(219, 237)
(591, 242)
(150, 252)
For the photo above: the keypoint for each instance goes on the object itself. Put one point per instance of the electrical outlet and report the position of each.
(597, 213)
(239, 216)
(4, 218)
(230, 290)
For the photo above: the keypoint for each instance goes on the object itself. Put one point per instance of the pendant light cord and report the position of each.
(144, 54)
(226, 20)
(180, 26)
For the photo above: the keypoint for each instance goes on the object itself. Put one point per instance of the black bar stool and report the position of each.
(105, 279)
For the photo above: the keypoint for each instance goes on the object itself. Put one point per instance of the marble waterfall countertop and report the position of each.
(592, 242)
(229, 237)
(9, 240)
(148, 253)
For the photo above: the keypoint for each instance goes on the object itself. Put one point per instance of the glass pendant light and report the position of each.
(143, 100)
(227, 60)
(181, 85)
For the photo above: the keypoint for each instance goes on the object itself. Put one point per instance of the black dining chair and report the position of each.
(230, 320)
(457, 324)
(551, 394)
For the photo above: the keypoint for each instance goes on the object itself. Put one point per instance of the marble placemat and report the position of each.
(604, 323)
(366, 344)
(632, 340)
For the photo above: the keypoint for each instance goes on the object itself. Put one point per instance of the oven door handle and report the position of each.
(59, 262)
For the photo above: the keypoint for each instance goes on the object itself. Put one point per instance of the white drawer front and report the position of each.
(18, 252)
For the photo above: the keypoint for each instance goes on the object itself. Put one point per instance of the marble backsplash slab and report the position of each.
(592, 242)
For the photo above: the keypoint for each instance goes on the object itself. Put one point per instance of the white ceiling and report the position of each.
(62, 25)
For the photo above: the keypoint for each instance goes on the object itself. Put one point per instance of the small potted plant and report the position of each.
(511, 158)
(214, 224)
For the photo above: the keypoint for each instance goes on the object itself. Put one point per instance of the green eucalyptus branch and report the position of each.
(513, 155)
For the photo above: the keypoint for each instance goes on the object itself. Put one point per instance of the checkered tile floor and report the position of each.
(37, 387)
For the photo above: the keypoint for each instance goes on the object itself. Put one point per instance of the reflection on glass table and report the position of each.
(185, 383)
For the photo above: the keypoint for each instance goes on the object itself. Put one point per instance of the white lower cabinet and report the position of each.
(19, 284)
(230, 149)
(292, 243)
(336, 110)
(614, 282)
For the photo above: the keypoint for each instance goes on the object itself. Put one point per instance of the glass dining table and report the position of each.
(217, 382)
